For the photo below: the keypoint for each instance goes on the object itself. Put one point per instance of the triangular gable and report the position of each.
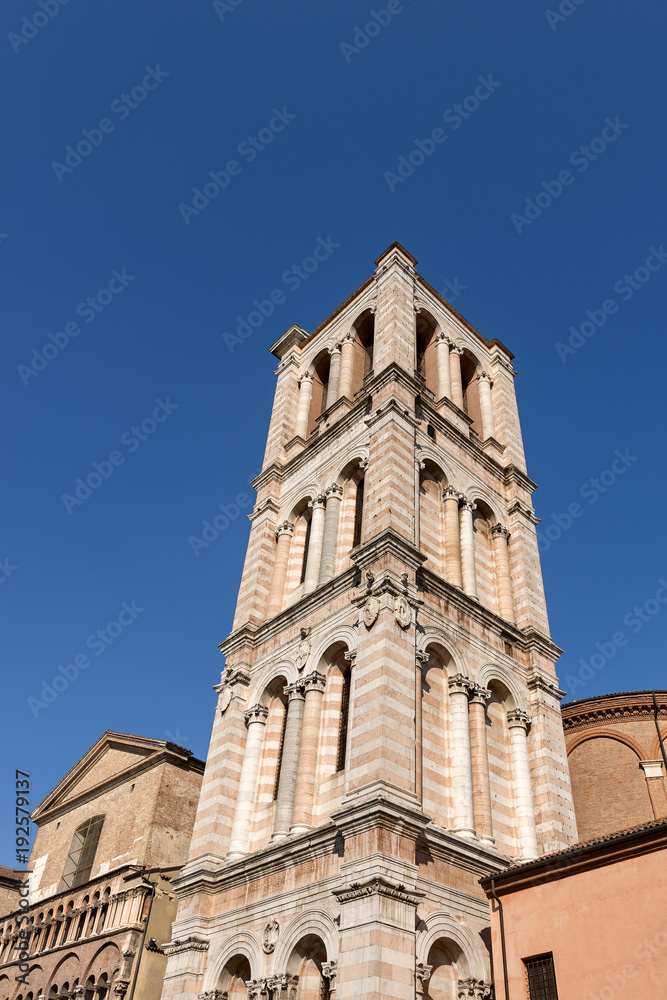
(112, 758)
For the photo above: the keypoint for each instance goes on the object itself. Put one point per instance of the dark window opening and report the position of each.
(358, 514)
(280, 755)
(541, 978)
(430, 430)
(306, 546)
(344, 717)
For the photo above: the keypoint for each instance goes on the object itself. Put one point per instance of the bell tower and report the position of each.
(388, 725)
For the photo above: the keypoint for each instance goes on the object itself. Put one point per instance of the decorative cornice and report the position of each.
(387, 542)
(378, 886)
(192, 943)
(587, 713)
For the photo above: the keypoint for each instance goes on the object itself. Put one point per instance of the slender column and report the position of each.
(284, 533)
(481, 785)
(334, 375)
(315, 544)
(524, 812)
(421, 658)
(346, 365)
(486, 407)
(455, 375)
(304, 797)
(452, 537)
(444, 373)
(501, 560)
(328, 561)
(330, 971)
(255, 719)
(461, 766)
(290, 761)
(468, 548)
(303, 407)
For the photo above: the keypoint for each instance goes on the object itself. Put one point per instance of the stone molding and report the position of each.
(192, 943)
(379, 886)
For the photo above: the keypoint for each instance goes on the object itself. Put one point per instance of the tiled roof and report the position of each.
(610, 838)
(614, 694)
(10, 874)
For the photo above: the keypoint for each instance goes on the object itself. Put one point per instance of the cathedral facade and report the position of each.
(388, 725)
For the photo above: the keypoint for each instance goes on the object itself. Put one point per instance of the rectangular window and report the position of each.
(358, 514)
(81, 855)
(541, 977)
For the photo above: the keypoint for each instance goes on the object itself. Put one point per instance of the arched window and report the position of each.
(470, 387)
(83, 848)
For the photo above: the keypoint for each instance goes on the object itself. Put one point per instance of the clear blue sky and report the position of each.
(341, 109)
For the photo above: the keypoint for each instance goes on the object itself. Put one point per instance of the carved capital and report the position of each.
(256, 714)
(305, 378)
(479, 695)
(459, 684)
(497, 530)
(294, 692)
(467, 504)
(333, 349)
(422, 656)
(485, 377)
(517, 718)
(285, 528)
(450, 493)
(314, 682)
(475, 988)
(318, 501)
(422, 976)
(335, 491)
(443, 338)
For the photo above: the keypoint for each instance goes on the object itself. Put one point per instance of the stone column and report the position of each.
(303, 408)
(328, 562)
(451, 498)
(468, 548)
(346, 365)
(255, 719)
(486, 408)
(444, 373)
(334, 375)
(313, 686)
(524, 811)
(315, 544)
(422, 976)
(461, 766)
(290, 761)
(501, 560)
(481, 785)
(284, 533)
(455, 375)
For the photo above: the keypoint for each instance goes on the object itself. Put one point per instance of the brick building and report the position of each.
(616, 753)
(388, 725)
(111, 837)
